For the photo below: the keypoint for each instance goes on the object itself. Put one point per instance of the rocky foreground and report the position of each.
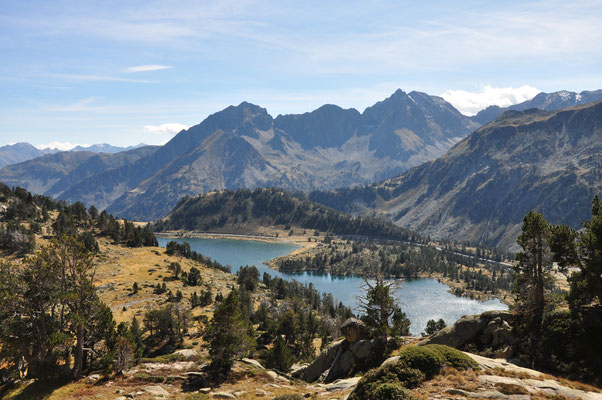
(179, 376)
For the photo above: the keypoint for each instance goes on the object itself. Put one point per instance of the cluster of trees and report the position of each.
(51, 319)
(184, 250)
(403, 260)
(16, 238)
(273, 207)
(23, 213)
(558, 339)
(289, 320)
(287, 323)
(21, 205)
(75, 217)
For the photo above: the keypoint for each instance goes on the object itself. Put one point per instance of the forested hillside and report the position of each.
(245, 211)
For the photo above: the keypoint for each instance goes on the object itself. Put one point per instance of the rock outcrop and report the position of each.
(490, 330)
(340, 359)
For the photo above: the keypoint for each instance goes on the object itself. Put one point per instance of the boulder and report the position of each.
(313, 371)
(155, 390)
(187, 354)
(352, 357)
(339, 359)
(252, 362)
(352, 329)
(277, 377)
(223, 395)
(463, 331)
(502, 336)
(490, 329)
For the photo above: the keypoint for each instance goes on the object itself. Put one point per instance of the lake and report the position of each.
(420, 299)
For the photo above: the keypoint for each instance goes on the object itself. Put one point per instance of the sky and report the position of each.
(125, 72)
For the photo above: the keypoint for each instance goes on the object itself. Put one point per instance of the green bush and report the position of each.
(424, 358)
(415, 365)
(389, 391)
(397, 374)
(454, 357)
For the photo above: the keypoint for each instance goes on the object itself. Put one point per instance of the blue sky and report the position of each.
(125, 72)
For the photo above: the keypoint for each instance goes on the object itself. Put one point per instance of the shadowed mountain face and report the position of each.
(243, 146)
(543, 101)
(481, 189)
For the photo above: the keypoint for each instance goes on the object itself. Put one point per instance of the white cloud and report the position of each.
(147, 68)
(62, 146)
(470, 103)
(170, 128)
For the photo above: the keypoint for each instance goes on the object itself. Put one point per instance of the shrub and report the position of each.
(424, 358)
(397, 374)
(454, 357)
(415, 365)
(389, 391)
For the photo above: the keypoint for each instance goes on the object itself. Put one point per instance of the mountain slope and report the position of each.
(248, 211)
(19, 152)
(543, 101)
(481, 189)
(53, 174)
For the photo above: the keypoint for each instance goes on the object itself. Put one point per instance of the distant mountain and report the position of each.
(252, 211)
(19, 152)
(481, 188)
(53, 174)
(106, 148)
(543, 101)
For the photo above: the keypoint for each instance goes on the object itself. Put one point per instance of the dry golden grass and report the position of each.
(147, 266)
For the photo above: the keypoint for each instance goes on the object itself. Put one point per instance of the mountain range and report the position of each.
(479, 191)
(332, 147)
(244, 146)
(542, 101)
(19, 152)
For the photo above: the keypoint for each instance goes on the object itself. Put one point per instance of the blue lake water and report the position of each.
(420, 299)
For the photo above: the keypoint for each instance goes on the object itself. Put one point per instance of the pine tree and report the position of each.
(583, 250)
(228, 334)
(531, 273)
(378, 305)
(280, 356)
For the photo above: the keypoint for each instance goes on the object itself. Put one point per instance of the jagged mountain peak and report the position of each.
(243, 146)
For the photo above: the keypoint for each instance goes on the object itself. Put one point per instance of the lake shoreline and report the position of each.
(422, 299)
(300, 241)
(305, 245)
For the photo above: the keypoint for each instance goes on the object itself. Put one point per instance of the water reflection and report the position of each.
(421, 299)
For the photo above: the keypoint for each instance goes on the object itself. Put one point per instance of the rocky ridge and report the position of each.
(480, 189)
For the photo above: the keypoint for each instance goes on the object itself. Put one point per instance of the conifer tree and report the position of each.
(531, 272)
(228, 334)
